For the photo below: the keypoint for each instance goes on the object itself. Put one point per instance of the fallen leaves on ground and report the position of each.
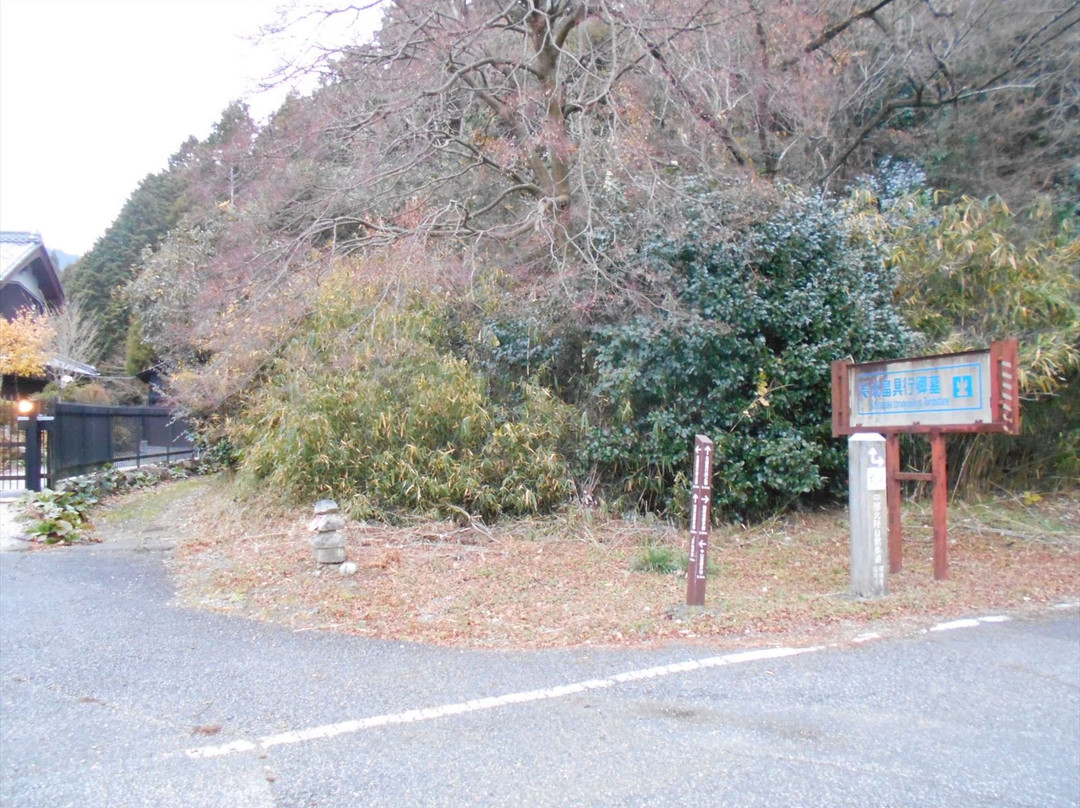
(571, 580)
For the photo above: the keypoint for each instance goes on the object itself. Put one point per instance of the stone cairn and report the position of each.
(326, 539)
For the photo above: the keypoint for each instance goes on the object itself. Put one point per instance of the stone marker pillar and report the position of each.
(869, 515)
(326, 540)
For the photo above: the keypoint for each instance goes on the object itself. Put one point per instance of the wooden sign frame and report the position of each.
(919, 395)
(973, 391)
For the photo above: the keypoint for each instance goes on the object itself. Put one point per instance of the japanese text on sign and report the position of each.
(949, 390)
(946, 389)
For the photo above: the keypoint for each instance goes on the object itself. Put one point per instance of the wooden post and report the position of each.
(700, 520)
(31, 453)
(35, 427)
(892, 502)
(941, 506)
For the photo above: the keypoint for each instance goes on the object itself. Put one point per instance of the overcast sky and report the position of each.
(96, 94)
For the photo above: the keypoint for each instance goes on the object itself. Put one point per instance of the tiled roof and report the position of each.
(18, 237)
(65, 365)
(14, 249)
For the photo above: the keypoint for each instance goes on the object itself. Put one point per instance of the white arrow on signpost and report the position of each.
(699, 521)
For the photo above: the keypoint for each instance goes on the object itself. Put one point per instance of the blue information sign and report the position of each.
(945, 389)
(929, 392)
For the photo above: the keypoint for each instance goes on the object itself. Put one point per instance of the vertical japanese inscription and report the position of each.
(877, 541)
(700, 518)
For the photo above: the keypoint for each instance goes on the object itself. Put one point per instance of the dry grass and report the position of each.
(570, 580)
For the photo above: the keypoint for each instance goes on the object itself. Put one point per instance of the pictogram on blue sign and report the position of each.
(963, 387)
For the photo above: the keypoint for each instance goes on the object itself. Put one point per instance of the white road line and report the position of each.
(970, 622)
(490, 703)
(967, 622)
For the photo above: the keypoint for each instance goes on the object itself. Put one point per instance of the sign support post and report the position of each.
(940, 506)
(892, 496)
(700, 521)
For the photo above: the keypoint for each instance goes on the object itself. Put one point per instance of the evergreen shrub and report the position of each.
(741, 352)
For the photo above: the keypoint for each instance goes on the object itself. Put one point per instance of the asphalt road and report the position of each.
(112, 694)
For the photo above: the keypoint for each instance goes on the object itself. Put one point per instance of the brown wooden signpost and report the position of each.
(975, 391)
(700, 519)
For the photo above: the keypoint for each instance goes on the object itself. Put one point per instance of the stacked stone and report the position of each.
(326, 539)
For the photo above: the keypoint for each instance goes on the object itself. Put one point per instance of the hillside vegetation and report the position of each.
(511, 253)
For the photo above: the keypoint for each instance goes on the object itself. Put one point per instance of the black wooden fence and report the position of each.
(86, 437)
(82, 438)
